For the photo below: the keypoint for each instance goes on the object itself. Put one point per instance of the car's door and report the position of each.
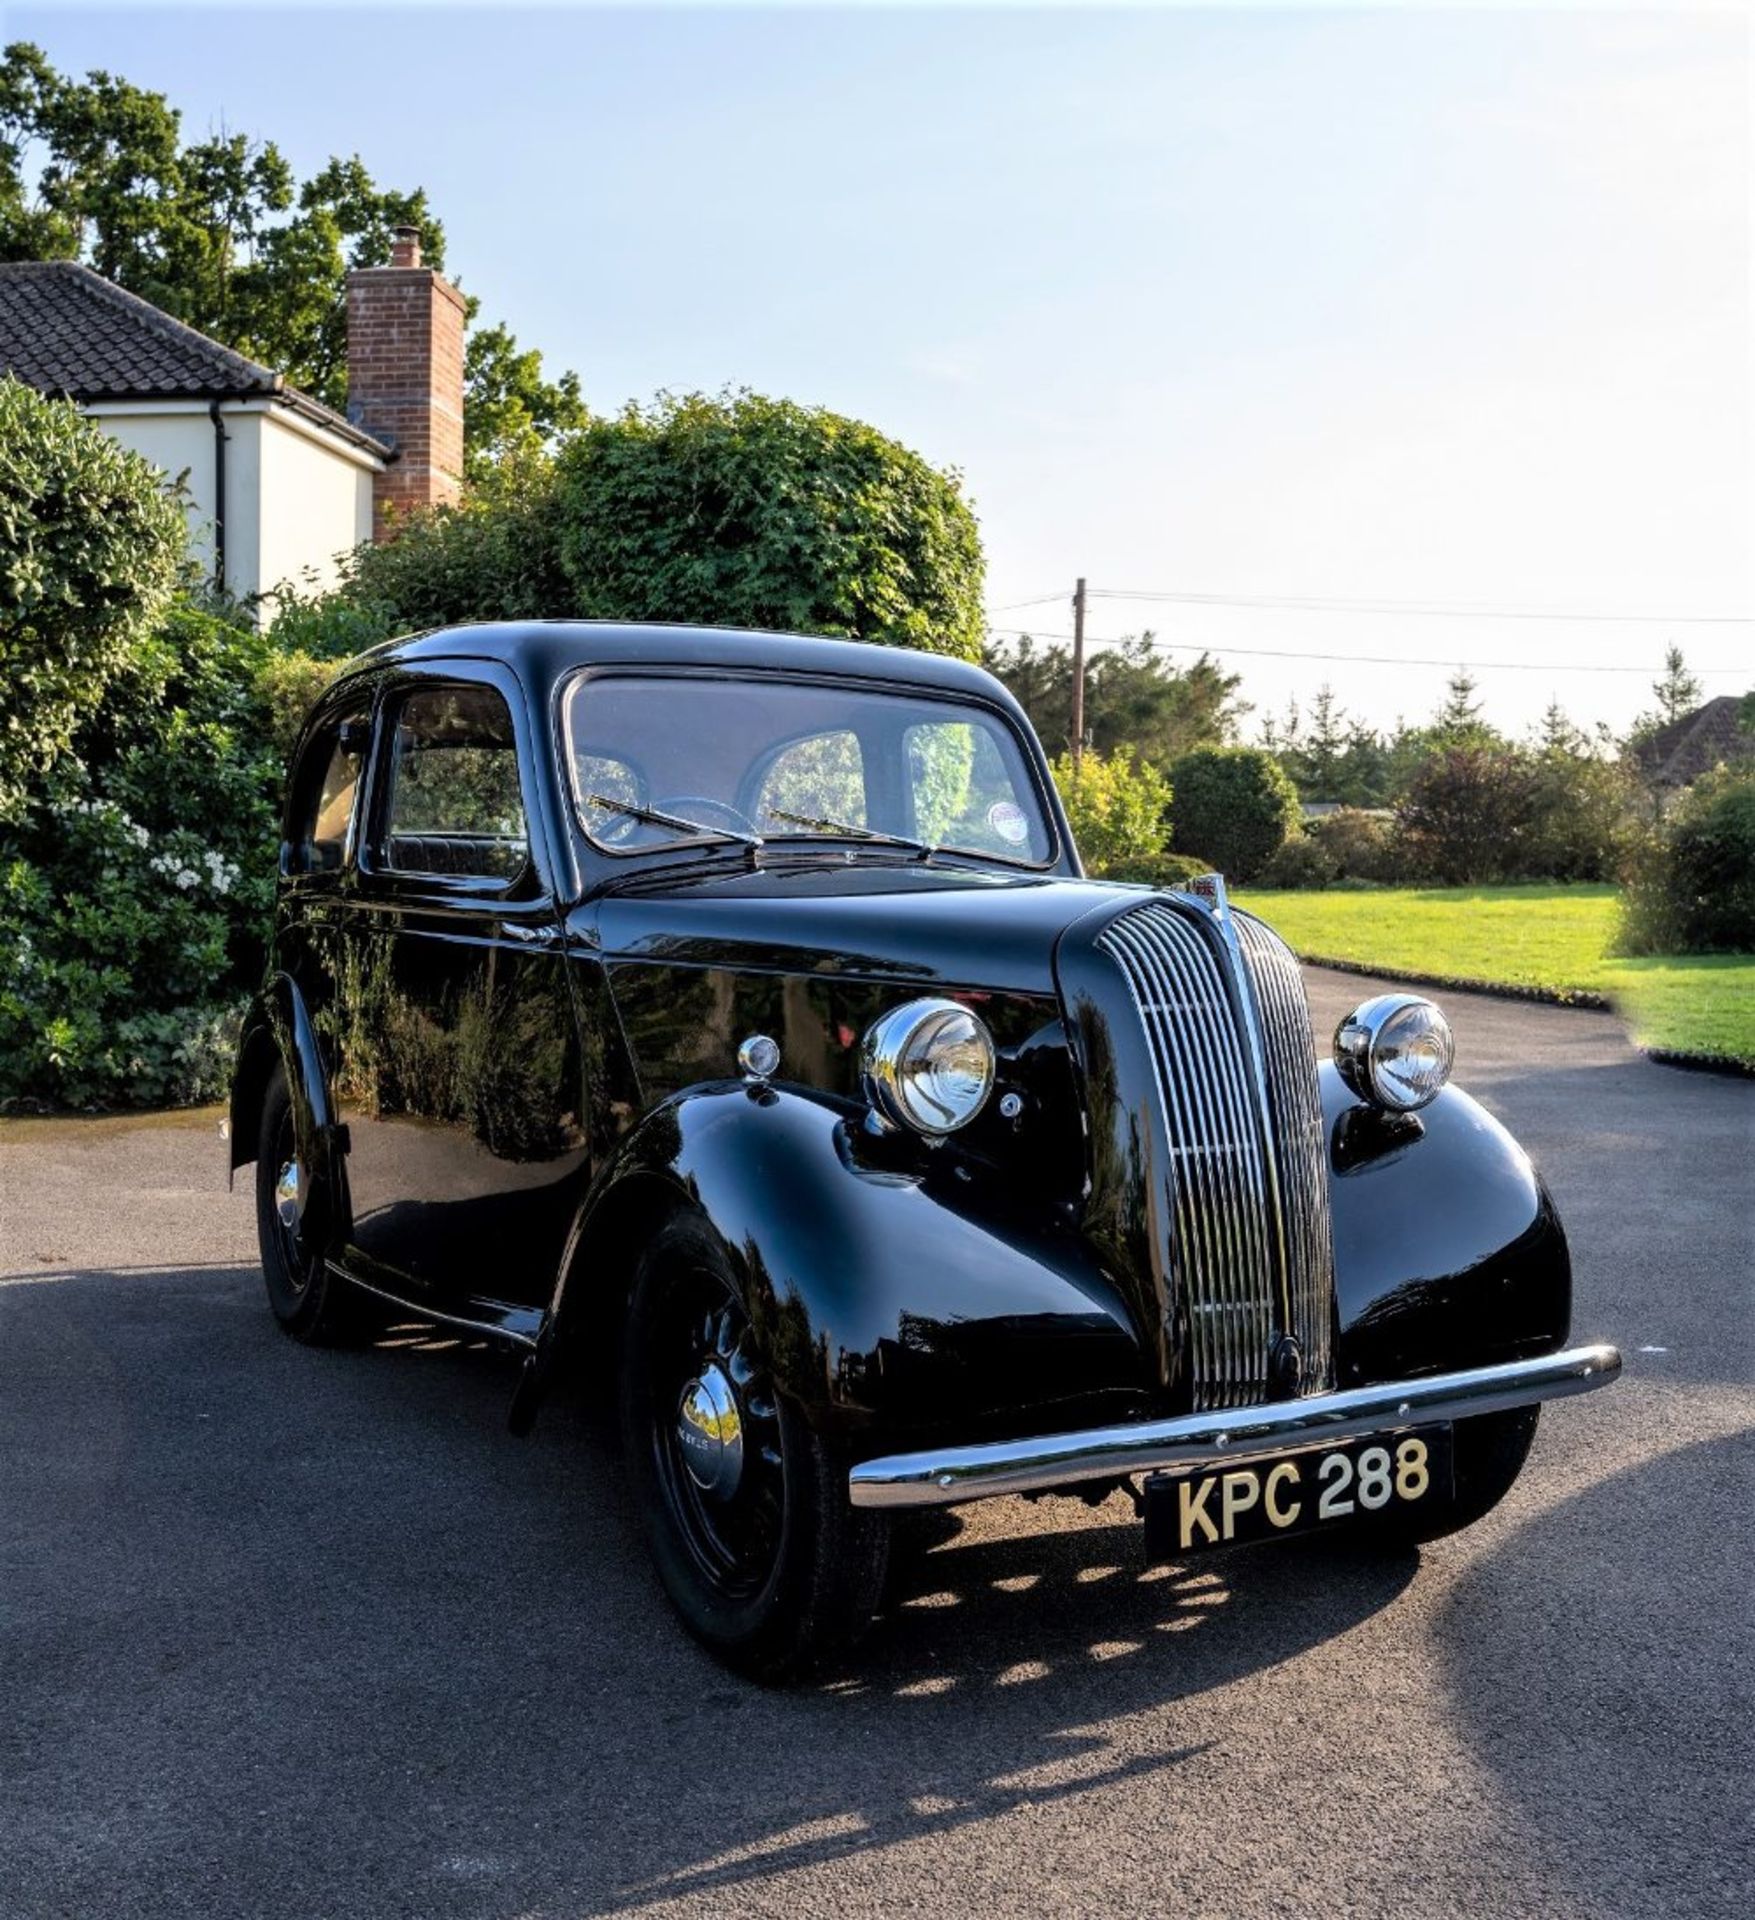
(460, 1080)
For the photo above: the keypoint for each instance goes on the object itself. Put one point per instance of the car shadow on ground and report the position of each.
(252, 1562)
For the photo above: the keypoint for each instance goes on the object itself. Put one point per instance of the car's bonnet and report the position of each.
(934, 925)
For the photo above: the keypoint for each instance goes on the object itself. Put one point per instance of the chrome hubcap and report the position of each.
(710, 1433)
(286, 1196)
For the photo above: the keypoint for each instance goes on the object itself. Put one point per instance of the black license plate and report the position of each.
(1292, 1493)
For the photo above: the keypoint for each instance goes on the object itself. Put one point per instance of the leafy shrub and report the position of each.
(1117, 809)
(495, 555)
(1580, 813)
(1463, 815)
(137, 878)
(1300, 860)
(1691, 887)
(1480, 813)
(744, 511)
(288, 684)
(337, 626)
(1361, 845)
(91, 546)
(1235, 806)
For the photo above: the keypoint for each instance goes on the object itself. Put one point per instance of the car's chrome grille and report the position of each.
(1230, 1042)
(1299, 1142)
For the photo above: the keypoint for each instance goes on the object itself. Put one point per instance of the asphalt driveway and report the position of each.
(308, 1634)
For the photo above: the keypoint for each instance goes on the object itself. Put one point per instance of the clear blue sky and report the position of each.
(1409, 306)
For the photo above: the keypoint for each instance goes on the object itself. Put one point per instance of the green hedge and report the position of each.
(1235, 806)
(137, 878)
(1691, 887)
(91, 547)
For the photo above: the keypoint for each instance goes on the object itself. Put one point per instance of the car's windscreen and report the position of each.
(660, 761)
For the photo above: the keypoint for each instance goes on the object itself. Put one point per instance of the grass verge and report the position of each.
(1553, 941)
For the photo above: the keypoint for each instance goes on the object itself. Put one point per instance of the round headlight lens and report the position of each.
(1395, 1051)
(929, 1066)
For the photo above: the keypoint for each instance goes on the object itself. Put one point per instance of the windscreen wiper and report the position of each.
(841, 829)
(651, 817)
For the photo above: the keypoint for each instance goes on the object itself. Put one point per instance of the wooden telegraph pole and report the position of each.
(1078, 685)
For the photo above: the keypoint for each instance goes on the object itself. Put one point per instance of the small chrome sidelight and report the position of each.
(758, 1058)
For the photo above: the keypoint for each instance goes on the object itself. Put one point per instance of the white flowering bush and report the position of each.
(137, 879)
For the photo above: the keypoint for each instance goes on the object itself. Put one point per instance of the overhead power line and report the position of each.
(1412, 609)
(1036, 600)
(1354, 659)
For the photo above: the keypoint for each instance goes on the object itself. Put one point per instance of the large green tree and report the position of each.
(220, 233)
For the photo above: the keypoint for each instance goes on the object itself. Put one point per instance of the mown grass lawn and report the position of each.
(1555, 938)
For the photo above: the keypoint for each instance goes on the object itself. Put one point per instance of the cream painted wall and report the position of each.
(179, 442)
(296, 498)
(316, 505)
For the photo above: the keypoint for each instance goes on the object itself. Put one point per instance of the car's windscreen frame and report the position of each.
(954, 701)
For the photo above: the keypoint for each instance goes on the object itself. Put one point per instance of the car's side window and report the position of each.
(452, 801)
(821, 777)
(329, 782)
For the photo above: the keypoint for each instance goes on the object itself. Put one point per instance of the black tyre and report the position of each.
(310, 1300)
(744, 1505)
(1489, 1454)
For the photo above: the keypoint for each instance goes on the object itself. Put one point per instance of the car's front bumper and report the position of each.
(949, 1475)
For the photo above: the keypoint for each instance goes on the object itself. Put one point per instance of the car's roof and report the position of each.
(542, 650)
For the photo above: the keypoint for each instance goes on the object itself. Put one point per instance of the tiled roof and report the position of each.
(67, 330)
(1678, 754)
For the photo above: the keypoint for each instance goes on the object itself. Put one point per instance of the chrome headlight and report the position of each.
(928, 1065)
(1395, 1051)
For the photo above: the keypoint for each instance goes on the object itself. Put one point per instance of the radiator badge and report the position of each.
(1209, 890)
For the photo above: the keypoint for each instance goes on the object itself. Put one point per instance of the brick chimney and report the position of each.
(405, 377)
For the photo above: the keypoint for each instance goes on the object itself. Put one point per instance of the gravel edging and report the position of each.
(1726, 1063)
(1584, 998)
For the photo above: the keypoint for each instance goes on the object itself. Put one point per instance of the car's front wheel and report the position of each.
(744, 1504)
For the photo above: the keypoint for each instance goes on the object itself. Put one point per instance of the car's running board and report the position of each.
(516, 1326)
(950, 1475)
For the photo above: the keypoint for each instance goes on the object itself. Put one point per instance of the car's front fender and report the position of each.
(278, 1030)
(892, 1289)
(1448, 1250)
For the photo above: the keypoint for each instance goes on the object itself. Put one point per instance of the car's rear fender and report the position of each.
(890, 1289)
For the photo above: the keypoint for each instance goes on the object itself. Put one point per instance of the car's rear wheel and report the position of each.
(743, 1503)
(311, 1301)
(1489, 1453)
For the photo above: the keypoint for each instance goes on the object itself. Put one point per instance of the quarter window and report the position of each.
(454, 804)
(341, 752)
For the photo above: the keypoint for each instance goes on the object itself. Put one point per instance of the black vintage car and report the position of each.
(723, 1018)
